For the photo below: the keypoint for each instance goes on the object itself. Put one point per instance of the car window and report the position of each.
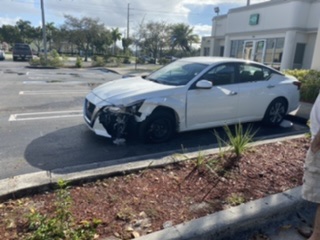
(253, 73)
(177, 73)
(221, 75)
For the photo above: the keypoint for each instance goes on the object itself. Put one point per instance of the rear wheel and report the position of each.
(276, 112)
(158, 127)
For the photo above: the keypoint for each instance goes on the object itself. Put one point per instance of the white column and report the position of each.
(214, 40)
(289, 49)
(202, 47)
(212, 46)
(316, 53)
(227, 46)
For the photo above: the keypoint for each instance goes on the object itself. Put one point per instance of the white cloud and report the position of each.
(202, 30)
(111, 13)
(8, 21)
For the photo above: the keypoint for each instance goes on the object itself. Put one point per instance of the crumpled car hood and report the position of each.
(128, 90)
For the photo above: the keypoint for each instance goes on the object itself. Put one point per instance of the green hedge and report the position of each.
(310, 80)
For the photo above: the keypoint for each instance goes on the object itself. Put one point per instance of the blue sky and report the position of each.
(113, 13)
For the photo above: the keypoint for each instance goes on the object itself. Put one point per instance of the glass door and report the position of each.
(254, 50)
(259, 51)
(247, 50)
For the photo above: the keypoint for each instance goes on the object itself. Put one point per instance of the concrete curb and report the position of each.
(235, 221)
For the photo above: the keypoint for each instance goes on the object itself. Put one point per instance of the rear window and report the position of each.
(21, 47)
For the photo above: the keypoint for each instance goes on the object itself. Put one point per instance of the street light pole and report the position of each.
(44, 35)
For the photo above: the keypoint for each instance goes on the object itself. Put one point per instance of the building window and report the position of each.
(206, 51)
(278, 50)
(272, 54)
(298, 56)
(221, 51)
(236, 48)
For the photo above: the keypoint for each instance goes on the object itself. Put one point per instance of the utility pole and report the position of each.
(44, 31)
(128, 20)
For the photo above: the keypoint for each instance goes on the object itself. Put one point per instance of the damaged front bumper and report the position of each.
(114, 122)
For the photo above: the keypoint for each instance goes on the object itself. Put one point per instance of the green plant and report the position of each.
(62, 224)
(79, 62)
(310, 80)
(239, 140)
(98, 62)
(53, 60)
(200, 161)
(235, 199)
(221, 143)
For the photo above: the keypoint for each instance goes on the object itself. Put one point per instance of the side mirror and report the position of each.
(204, 84)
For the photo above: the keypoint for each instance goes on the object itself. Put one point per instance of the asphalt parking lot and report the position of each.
(42, 126)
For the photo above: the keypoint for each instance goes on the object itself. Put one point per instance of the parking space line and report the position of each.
(44, 115)
(52, 92)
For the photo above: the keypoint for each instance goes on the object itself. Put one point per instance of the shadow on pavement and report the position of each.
(77, 145)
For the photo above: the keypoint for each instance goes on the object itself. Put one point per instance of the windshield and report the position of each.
(177, 73)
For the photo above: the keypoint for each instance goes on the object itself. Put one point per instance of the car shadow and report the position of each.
(77, 145)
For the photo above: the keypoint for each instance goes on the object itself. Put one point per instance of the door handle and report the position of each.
(271, 86)
(232, 93)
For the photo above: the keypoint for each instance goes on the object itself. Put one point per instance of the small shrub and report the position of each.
(237, 141)
(164, 61)
(98, 62)
(62, 225)
(126, 60)
(53, 60)
(310, 80)
(79, 62)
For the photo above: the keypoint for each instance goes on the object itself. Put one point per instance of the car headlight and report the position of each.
(131, 109)
(114, 109)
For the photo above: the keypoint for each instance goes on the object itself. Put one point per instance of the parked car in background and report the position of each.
(21, 51)
(189, 94)
(2, 55)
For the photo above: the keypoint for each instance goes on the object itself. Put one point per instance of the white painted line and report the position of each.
(52, 92)
(55, 82)
(44, 115)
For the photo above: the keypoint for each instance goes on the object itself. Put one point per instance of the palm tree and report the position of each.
(51, 31)
(116, 35)
(182, 36)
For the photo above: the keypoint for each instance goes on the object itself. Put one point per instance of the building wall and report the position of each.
(295, 20)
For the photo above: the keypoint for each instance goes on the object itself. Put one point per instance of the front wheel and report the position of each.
(276, 112)
(158, 127)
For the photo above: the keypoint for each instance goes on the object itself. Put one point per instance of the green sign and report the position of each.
(254, 19)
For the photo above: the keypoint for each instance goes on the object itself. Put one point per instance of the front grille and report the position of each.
(89, 109)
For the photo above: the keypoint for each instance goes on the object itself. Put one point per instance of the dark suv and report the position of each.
(21, 51)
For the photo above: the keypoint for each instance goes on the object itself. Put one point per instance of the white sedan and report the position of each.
(189, 94)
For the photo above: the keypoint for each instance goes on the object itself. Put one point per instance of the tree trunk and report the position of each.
(86, 54)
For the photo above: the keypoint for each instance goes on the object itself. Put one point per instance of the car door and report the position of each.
(215, 106)
(255, 91)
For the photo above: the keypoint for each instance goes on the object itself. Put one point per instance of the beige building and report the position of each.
(284, 34)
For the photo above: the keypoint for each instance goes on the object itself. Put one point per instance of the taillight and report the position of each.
(298, 84)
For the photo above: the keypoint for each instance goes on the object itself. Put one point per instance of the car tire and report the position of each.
(158, 127)
(275, 112)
